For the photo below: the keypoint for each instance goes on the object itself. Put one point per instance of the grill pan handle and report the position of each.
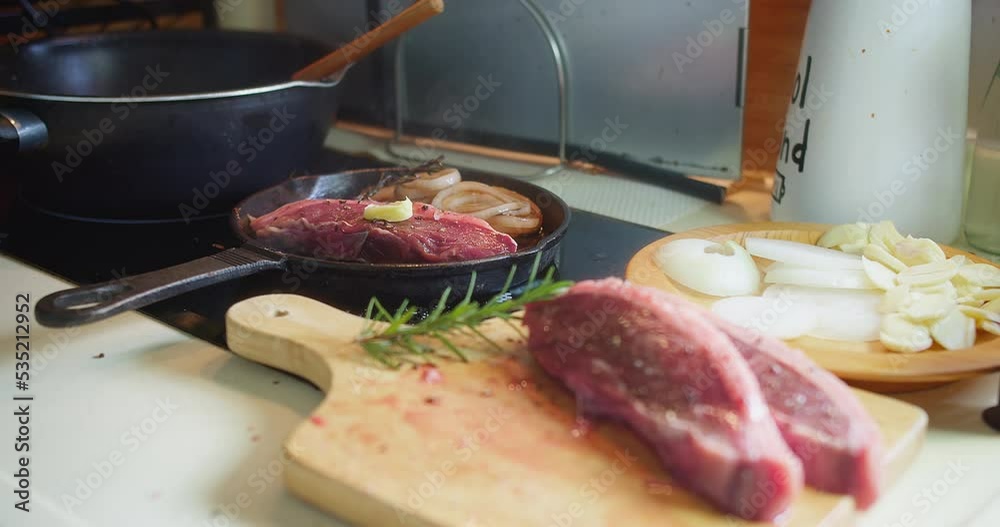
(82, 305)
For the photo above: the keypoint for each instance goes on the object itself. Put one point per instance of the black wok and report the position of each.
(421, 284)
(159, 125)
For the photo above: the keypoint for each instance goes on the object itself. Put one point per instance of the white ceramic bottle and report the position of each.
(877, 122)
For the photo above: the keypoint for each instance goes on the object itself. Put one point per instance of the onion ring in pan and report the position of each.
(426, 185)
(506, 210)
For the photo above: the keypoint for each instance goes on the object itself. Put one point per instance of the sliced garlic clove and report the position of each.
(880, 275)
(854, 248)
(944, 288)
(922, 307)
(917, 251)
(895, 299)
(989, 327)
(899, 334)
(928, 274)
(885, 235)
(850, 238)
(882, 256)
(979, 296)
(983, 275)
(954, 331)
(967, 291)
(980, 314)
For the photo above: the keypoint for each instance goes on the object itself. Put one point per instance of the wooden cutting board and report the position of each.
(490, 443)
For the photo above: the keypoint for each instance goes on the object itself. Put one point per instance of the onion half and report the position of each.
(709, 267)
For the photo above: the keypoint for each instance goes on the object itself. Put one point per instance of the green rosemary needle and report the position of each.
(390, 340)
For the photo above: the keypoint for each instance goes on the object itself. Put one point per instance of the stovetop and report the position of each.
(86, 252)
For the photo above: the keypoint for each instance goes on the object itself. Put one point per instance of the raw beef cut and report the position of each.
(335, 229)
(678, 381)
(822, 421)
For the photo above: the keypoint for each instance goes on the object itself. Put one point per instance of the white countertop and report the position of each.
(168, 430)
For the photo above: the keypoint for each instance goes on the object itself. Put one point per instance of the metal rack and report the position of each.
(558, 49)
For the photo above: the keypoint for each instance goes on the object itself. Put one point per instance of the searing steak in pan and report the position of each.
(351, 282)
(335, 229)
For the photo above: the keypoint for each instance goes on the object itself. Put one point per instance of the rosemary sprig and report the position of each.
(389, 340)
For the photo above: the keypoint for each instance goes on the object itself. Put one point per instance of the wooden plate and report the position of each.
(865, 364)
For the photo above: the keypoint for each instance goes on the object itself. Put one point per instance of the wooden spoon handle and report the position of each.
(361, 47)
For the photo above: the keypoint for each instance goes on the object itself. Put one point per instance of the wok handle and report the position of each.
(366, 44)
(21, 131)
(82, 305)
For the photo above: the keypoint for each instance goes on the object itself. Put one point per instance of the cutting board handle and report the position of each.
(295, 334)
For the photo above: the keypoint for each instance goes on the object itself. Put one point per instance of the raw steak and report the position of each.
(678, 381)
(822, 421)
(335, 229)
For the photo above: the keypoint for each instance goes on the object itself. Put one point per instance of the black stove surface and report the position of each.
(86, 252)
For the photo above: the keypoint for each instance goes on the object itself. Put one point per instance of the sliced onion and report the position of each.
(426, 185)
(842, 314)
(773, 316)
(802, 254)
(860, 323)
(709, 267)
(824, 296)
(809, 277)
(506, 210)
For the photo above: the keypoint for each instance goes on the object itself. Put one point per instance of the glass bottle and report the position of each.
(982, 212)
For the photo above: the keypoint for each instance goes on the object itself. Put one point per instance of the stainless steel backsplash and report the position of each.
(658, 81)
